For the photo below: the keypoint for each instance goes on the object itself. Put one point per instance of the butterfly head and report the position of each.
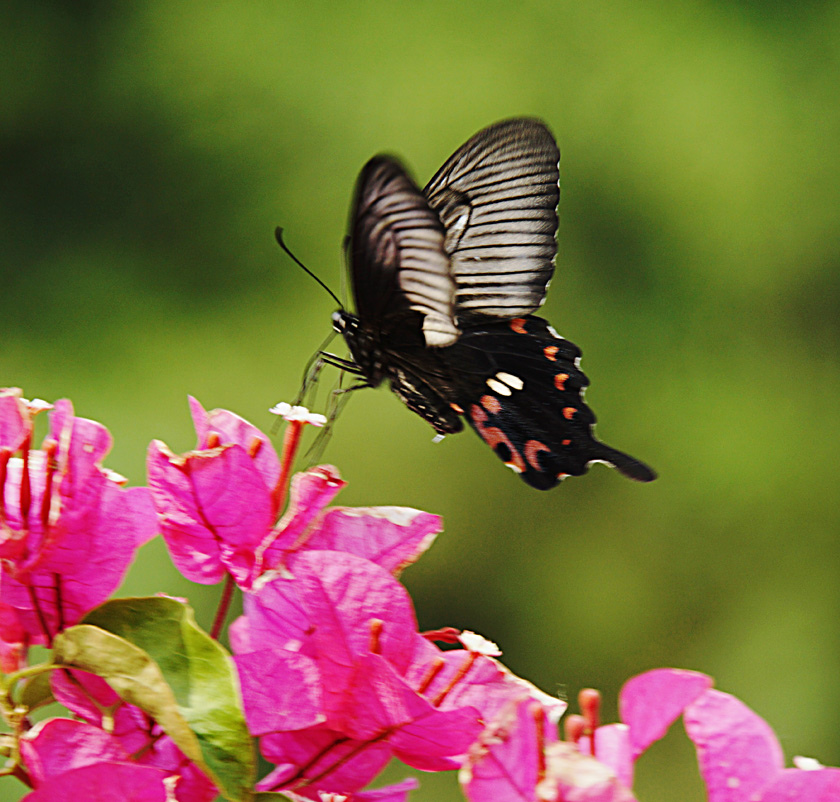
(344, 322)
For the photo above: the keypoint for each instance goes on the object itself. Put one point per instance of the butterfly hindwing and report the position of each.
(527, 404)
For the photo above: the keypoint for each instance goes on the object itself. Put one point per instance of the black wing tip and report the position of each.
(636, 470)
(629, 466)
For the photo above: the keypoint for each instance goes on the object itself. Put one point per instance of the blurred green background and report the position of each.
(148, 149)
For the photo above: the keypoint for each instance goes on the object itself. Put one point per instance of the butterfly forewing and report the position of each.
(497, 197)
(396, 252)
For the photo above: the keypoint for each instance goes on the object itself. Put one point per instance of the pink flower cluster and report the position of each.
(739, 757)
(335, 678)
(68, 527)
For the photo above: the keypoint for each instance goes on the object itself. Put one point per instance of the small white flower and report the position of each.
(478, 644)
(298, 414)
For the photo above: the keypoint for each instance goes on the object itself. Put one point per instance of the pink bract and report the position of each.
(382, 689)
(739, 756)
(69, 529)
(217, 508)
(103, 782)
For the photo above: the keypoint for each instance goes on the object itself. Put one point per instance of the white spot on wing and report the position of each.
(498, 387)
(510, 380)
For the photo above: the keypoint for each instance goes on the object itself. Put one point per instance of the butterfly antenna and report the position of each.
(278, 235)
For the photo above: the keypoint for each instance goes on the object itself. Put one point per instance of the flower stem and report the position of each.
(42, 621)
(10, 680)
(224, 606)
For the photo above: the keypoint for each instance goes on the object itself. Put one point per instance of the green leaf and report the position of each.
(37, 691)
(154, 655)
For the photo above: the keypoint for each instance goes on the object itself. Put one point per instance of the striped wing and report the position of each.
(497, 198)
(397, 253)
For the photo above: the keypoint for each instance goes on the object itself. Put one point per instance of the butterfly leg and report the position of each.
(316, 365)
(338, 398)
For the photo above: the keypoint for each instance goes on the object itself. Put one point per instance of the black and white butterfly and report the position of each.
(445, 282)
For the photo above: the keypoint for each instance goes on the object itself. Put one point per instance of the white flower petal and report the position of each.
(298, 414)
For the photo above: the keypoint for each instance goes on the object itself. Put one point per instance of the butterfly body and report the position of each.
(445, 282)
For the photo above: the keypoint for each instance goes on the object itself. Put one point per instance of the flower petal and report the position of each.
(58, 745)
(281, 690)
(342, 595)
(103, 782)
(393, 537)
(506, 763)
(613, 747)
(796, 785)
(389, 793)
(737, 750)
(310, 492)
(14, 419)
(332, 761)
(581, 778)
(214, 510)
(237, 431)
(651, 702)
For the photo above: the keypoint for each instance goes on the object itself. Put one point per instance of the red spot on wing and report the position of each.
(560, 381)
(532, 449)
(493, 435)
(518, 325)
(566, 442)
(457, 409)
(550, 352)
(490, 403)
(569, 412)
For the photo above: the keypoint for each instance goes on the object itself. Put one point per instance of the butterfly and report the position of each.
(446, 281)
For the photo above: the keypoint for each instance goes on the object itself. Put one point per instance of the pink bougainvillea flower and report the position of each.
(741, 760)
(739, 756)
(14, 640)
(59, 745)
(651, 702)
(356, 683)
(104, 782)
(123, 731)
(518, 759)
(507, 763)
(390, 793)
(218, 506)
(68, 529)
